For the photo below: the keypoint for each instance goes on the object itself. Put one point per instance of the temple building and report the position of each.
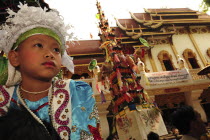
(172, 45)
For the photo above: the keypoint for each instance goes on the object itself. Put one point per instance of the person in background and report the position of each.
(84, 76)
(152, 136)
(189, 123)
(175, 131)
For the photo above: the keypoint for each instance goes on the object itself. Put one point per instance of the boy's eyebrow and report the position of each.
(42, 40)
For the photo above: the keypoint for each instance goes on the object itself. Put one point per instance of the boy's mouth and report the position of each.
(49, 63)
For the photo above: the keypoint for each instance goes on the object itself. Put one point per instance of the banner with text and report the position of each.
(167, 77)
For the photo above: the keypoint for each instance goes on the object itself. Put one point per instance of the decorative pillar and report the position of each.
(102, 111)
(197, 48)
(154, 67)
(174, 48)
(192, 99)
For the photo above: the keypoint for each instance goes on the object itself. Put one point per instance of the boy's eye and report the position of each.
(38, 45)
(57, 50)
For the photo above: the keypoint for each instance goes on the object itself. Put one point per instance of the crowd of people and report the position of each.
(187, 123)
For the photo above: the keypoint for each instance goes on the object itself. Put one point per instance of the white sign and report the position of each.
(167, 77)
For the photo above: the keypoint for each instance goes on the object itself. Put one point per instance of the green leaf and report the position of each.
(92, 64)
(144, 42)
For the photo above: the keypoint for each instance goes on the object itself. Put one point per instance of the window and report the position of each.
(166, 61)
(168, 65)
(190, 58)
(193, 63)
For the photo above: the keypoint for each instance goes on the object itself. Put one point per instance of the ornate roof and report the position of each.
(157, 22)
(84, 51)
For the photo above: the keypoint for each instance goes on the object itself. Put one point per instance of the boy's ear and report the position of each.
(13, 57)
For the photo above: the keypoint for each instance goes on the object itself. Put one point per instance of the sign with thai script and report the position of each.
(167, 77)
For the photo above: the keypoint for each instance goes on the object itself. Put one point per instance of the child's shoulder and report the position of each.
(4, 88)
(71, 82)
(6, 94)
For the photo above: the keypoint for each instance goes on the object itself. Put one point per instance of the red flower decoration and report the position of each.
(95, 132)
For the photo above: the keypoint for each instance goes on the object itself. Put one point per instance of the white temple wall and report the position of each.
(148, 64)
(182, 42)
(157, 49)
(203, 41)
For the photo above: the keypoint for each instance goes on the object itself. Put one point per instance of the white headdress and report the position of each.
(28, 18)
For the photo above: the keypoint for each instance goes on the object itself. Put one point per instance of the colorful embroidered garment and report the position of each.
(74, 117)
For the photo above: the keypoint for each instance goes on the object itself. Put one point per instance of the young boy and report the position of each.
(34, 42)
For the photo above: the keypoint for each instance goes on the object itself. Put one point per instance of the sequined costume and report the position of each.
(70, 108)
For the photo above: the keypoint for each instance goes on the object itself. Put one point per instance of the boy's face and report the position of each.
(39, 57)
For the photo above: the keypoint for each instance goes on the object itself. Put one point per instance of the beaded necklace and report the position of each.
(50, 97)
(31, 92)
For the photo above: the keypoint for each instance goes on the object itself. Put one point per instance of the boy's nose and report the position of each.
(49, 55)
